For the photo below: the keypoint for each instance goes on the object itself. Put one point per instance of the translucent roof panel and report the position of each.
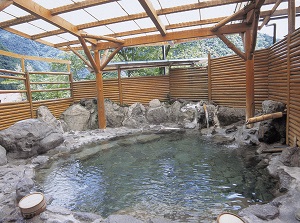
(54, 39)
(106, 11)
(5, 17)
(99, 30)
(133, 36)
(145, 23)
(180, 17)
(43, 25)
(131, 7)
(15, 11)
(28, 29)
(123, 26)
(68, 36)
(186, 28)
(50, 4)
(78, 17)
(217, 11)
(173, 3)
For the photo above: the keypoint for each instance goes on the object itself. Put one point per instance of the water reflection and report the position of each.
(189, 179)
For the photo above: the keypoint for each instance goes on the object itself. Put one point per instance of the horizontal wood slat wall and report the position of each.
(261, 91)
(10, 113)
(144, 89)
(294, 90)
(278, 72)
(189, 84)
(57, 106)
(228, 81)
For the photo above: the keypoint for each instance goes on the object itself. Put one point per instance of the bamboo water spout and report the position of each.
(264, 117)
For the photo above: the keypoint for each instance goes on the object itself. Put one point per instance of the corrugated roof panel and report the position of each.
(15, 11)
(145, 23)
(43, 25)
(131, 7)
(123, 26)
(106, 11)
(50, 4)
(99, 30)
(180, 17)
(78, 17)
(28, 29)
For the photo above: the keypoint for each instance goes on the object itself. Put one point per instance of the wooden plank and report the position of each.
(4, 4)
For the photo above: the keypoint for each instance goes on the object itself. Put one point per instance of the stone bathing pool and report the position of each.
(182, 177)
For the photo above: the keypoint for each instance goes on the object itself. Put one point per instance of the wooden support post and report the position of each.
(209, 78)
(249, 79)
(71, 81)
(100, 95)
(292, 16)
(120, 86)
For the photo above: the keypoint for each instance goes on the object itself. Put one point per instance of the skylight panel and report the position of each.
(50, 4)
(155, 4)
(43, 25)
(180, 17)
(131, 7)
(99, 30)
(78, 17)
(123, 26)
(106, 11)
(28, 29)
(15, 11)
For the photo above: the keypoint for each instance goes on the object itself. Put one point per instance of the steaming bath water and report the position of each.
(183, 177)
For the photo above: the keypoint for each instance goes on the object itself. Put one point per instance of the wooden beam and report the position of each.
(107, 38)
(103, 65)
(100, 94)
(250, 54)
(4, 4)
(292, 16)
(89, 55)
(186, 34)
(147, 5)
(45, 14)
(242, 12)
(232, 46)
(267, 18)
(81, 57)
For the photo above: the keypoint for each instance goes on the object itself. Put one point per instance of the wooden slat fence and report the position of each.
(293, 126)
(189, 84)
(228, 81)
(278, 72)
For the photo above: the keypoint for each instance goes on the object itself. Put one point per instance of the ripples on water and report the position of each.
(186, 179)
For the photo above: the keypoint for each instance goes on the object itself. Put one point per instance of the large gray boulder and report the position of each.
(135, 117)
(272, 130)
(44, 114)
(3, 158)
(92, 107)
(156, 113)
(29, 137)
(270, 106)
(228, 116)
(115, 114)
(76, 117)
(23, 188)
(174, 112)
